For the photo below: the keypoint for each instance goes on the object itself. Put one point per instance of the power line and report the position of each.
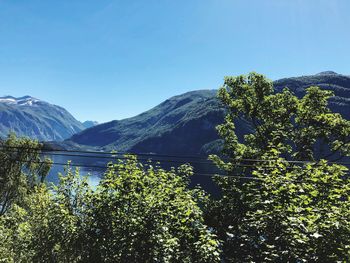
(126, 158)
(121, 155)
(194, 173)
(163, 160)
(104, 167)
(200, 157)
(160, 161)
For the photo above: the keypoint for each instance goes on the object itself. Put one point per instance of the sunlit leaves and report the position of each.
(21, 169)
(137, 214)
(290, 212)
(152, 215)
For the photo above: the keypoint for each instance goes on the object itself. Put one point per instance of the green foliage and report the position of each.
(40, 227)
(288, 212)
(136, 214)
(303, 129)
(21, 169)
(148, 215)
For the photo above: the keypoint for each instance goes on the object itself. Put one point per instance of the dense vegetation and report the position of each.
(136, 214)
(293, 211)
(282, 199)
(21, 169)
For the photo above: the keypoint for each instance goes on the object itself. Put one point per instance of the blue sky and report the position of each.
(104, 60)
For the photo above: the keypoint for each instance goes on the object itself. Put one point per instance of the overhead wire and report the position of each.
(118, 156)
(195, 173)
(121, 155)
(158, 161)
(200, 157)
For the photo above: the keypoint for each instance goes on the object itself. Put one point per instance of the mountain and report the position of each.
(328, 80)
(89, 124)
(185, 124)
(37, 119)
(167, 128)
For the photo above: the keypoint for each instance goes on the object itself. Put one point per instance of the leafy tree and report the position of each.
(147, 214)
(285, 211)
(21, 168)
(136, 214)
(46, 225)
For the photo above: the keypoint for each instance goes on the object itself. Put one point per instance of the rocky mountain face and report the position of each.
(37, 119)
(185, 124)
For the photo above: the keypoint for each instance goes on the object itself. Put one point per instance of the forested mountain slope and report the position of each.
(182, 122)
(185, 124)
(328, 80)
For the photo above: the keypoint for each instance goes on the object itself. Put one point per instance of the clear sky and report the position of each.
(104, 60)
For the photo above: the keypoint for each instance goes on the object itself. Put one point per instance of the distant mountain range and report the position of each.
(37, 119)
(185, 124)
(89, 124)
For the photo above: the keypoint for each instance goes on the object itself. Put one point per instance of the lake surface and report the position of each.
(94, 166)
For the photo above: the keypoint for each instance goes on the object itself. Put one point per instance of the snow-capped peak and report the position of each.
(22, 101)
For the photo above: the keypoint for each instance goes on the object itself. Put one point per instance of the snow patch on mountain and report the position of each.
(22, 101)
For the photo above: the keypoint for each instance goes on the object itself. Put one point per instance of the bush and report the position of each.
(137, 214)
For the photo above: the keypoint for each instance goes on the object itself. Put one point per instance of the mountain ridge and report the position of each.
(37, 119)
(185, 124)
(134, 132)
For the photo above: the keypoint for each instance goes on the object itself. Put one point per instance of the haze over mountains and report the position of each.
(183, 124)
(89, 124)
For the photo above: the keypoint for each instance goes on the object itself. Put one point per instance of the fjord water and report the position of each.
(60, 165)
(94, 167)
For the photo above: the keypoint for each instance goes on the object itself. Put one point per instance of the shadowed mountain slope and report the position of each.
(167, 128)
(185, 124)
(328, 80)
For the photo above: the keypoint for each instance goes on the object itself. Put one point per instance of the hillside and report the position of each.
(185, 124)
(37, 119)
(328, 80)
(167, 128)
